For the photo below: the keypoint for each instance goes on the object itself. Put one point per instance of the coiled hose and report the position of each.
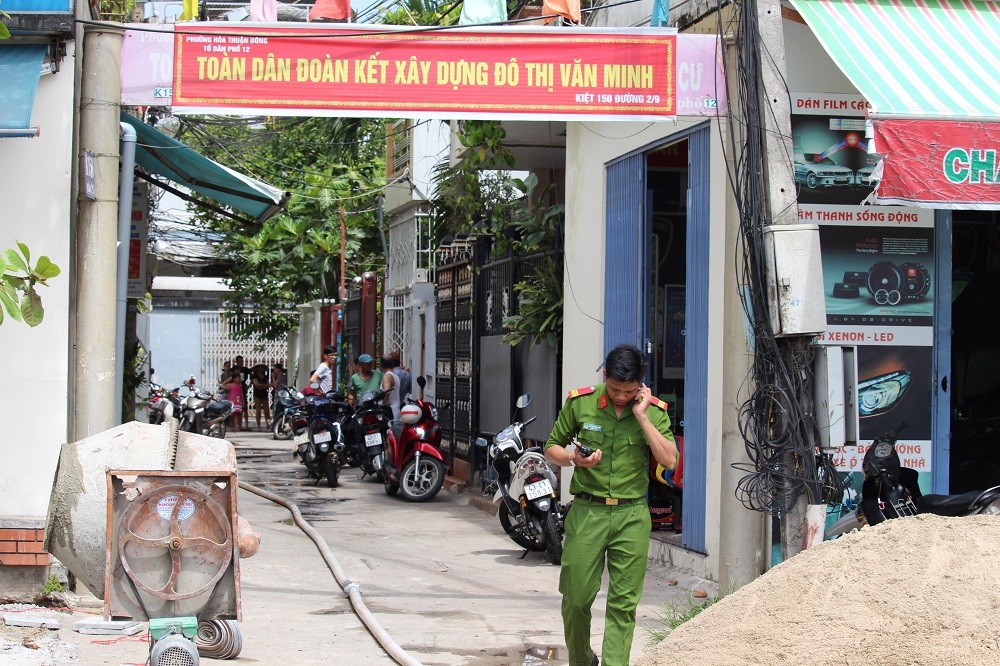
(351, 588)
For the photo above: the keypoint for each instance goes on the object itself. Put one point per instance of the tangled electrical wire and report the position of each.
(776, 421)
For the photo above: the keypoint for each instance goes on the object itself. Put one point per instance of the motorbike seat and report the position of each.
(947, 505)
(219, 407)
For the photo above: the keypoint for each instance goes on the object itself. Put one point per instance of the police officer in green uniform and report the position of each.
(622, 423)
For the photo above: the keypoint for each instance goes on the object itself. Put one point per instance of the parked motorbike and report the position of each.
(413, 462)
(162, 403)
(366, 432)
(202, 413)
(890, 490)
(285, 404)
(525, 486)
(321, 442)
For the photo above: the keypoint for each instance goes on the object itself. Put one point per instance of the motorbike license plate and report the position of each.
(538, 489)
(321, 437)
(302, 438)
(374, 439)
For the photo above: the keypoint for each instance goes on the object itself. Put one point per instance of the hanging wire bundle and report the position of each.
(776, 420)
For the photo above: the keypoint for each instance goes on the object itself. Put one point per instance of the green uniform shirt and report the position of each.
(359, 386)
(623, 472)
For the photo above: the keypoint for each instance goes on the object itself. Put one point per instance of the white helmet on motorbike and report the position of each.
(410, 414)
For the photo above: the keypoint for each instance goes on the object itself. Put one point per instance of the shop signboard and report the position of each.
(937, 164)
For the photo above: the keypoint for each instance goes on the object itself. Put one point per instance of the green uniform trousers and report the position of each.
(593, 530)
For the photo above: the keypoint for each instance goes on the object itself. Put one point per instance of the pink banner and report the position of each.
(939, 164)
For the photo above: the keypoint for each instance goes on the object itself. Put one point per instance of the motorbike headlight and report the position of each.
(991, 509)
(420, 433)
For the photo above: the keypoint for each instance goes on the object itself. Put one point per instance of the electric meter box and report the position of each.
(794, 279)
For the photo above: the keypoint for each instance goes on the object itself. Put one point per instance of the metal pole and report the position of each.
(124, 245)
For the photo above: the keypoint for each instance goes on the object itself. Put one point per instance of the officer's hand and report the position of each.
(642, 400)
(589, 461)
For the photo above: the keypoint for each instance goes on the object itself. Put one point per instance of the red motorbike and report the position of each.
(414, 463)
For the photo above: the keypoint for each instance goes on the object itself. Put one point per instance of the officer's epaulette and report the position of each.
(659, 403)
(577, 392)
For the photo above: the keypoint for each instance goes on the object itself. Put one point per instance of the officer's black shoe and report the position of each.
(595, 661)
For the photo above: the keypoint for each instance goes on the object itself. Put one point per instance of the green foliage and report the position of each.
(423, 12)
(536, 228)
(17, 284)
(471, 195)
(327, 164)
(675, 615)
(4, 30)
(133, 379)
(51, 585)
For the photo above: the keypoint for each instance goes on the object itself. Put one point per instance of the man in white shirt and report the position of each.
(390, 384)
(324, 373)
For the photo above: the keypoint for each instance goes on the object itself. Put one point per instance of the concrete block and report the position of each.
(107, 627)
(36, 621)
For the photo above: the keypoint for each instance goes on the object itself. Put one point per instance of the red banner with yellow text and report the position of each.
(939, 164)
(532, 74)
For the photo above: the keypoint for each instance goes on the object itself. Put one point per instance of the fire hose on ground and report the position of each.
(351, 588)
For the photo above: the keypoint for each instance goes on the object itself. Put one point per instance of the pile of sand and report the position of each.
(914, 591)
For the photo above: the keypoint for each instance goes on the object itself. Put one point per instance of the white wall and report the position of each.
(35, 205)
(175, 347)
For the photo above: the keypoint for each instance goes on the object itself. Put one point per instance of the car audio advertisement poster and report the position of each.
(878, 280)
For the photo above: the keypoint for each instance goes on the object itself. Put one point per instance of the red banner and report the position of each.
(543, 73)
(939, 164)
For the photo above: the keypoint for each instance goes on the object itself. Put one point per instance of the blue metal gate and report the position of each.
(628, 234)
(626, 257)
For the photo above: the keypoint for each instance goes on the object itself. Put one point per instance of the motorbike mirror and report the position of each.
(481, 443)
(523, 401)
(421, 381)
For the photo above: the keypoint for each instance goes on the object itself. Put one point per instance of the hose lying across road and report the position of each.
(351, 588)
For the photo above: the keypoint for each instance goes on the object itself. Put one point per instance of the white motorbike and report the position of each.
(525, 486)
(202, 413)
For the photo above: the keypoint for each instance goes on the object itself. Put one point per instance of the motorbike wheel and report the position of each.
(220, 430)
(391, 487)
(509, 526)
(553, 539)
(282, 428)
(331, 470)
(420, 484)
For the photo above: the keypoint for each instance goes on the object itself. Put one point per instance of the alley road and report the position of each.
(442, 578)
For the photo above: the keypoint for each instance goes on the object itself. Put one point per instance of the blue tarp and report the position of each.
(20, 67)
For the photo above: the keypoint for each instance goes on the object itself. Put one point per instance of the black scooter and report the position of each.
(891, 491)
(321, 442)
(366, 430)
(283, 409)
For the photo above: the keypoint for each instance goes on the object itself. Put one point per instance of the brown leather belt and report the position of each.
(608, 501)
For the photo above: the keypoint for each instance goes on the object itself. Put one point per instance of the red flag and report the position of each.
(569, 9)
(336, 10)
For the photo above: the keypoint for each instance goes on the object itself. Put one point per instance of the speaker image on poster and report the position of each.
(877, 275)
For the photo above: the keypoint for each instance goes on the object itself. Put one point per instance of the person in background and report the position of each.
(364, 380)
(261, 400)
(324, 371)
(622, 423)
(404, 376)
(279, 376)
(244, 381)
(232, 385)
(390, 384)
(226, 371)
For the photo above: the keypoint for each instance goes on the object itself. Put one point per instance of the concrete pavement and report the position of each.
(442, 579)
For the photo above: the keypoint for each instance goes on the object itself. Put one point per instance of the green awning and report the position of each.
(914, 58)
(165, 156)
